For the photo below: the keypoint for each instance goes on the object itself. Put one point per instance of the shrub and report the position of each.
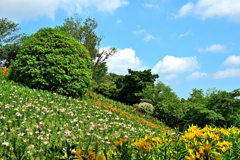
(145, 107)
(52, 60)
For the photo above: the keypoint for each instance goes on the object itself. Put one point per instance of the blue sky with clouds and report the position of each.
(188, 43)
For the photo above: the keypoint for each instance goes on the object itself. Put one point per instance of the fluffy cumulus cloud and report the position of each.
(123, 60)
(212, 9)
(30, 9)
(214, 48)
(197, 75)
(227, 73)
(171, 65)
(232, 61)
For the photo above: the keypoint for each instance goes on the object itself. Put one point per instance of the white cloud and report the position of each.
(170, 76)
(185, 9)
(119, 21)
(182, 35)
(232, 61)
(171, 65)
(30, 9)
(148, 5)
(212, 9)
(216, 48)
(227, 73)
(107, 5)
(149, 37)
(200, 49)
(197, 75)
(123, 60)
(139, 31)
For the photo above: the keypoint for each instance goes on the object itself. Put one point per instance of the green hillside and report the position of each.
(37, 124)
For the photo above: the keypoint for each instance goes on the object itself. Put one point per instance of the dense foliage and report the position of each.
(218, 108)
(129, 86)
(51, 60)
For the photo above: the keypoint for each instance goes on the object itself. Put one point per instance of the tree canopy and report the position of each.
(85, 34)
(132, 84)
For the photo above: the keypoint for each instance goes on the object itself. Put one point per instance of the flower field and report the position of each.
(37, 124)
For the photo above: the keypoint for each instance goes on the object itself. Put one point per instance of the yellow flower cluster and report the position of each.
(205, 147)
(118, 143)
(143, 144)
(90, 156)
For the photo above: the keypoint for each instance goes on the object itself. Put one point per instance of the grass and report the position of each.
(37, 124)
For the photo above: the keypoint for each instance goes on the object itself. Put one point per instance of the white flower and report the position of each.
(46, 142)
(21, 134)
(67, 132)
(5, 144)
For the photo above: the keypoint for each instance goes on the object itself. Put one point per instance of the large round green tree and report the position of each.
(52, 60)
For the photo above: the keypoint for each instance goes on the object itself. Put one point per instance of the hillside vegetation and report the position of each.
(37, 124)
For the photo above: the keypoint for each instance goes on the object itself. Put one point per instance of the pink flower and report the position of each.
(68, 135)
(40, 150)
(5, 144)
(31, 146)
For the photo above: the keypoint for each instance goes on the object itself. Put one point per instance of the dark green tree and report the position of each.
(132, 84)
(197, 96)
(219, 108)
(227, 104)
(106, 85)
(50, 60)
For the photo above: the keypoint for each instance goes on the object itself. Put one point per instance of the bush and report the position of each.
(144, 107)
(52, 60)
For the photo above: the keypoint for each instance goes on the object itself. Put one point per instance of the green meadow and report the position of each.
(38, 124)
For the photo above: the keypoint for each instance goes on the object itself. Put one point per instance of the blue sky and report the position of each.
(188, 43)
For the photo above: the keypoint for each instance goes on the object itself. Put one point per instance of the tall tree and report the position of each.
(131, 85)
(8, 35)
(85, 34)
(197, 96)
